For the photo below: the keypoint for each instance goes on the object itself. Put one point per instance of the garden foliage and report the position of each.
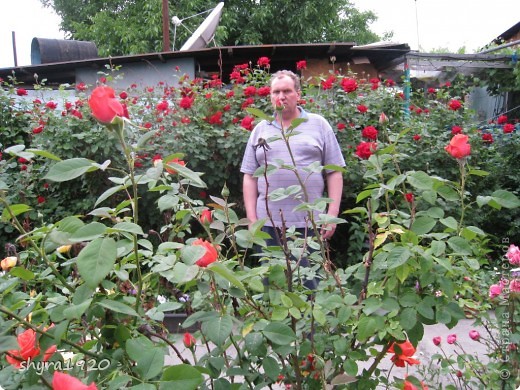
(113, 225)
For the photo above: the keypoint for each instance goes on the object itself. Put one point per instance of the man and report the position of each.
(314, 141)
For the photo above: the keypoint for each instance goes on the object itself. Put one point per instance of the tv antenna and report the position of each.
(204, 33)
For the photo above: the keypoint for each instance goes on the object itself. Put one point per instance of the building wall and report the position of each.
(142, 73)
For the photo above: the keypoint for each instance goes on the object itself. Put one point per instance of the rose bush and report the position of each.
(96, 274)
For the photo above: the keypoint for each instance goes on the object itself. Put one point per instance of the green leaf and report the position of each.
(181, 376)
(108, 193)
(149, 358)
(73, 312)
(16, 209)
(369, 326)
(88, 232)
(70, 169)
(128, 227)
(460, 245)
(96, 260)
(271, 367)
(44, 153)
(221, 270)
(118, 307)
(450, 222)
(478, 172)
(193, 177)
(423, 225)
(420, 180)
(7, 343)
(279, 333)
(363, 194)
(259, 114)
(506, 199)
(408, 318)
(218, 330)
(22, 273)
(398, 256)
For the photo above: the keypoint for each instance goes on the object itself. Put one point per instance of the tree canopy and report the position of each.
(123, 27)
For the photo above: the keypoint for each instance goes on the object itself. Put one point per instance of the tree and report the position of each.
(122, 27)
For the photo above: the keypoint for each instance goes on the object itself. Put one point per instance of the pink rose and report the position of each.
(495, 290)
(474, 335)
(451, 338)
(513, 254)
(437, 340)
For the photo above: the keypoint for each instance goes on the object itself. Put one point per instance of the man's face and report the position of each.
(284, 93)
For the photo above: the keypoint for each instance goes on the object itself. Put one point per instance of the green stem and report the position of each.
(462, 169)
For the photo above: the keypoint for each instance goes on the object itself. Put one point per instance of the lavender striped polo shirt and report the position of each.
(315, 142)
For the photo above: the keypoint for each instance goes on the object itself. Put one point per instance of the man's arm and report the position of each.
(250, 193)
(334, 190)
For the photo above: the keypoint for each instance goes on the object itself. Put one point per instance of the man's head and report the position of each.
(285, 90)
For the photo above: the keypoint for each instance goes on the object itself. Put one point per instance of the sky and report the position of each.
(423, 24)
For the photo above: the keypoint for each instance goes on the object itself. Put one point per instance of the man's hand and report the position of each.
(327, 231)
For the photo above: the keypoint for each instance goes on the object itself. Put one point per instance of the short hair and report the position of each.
(281, 73)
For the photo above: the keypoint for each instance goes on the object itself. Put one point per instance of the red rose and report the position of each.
(456, 130)
(488, 138)
(81, 87)
(40, 199)
(405, 356)
(162, 106)
(362, 108)
(301, 65)
(264, 91)
(369, 132)
(216, 118)
(21, 92)
(123, 95)
(502, 119)
(409, 197)
(454, 105)
(250, 91)
(247, 123)
(37, 130)
(249, 101)
(188, 340)
(62, 381)
(365, 149)
(263, 61)
(28, 349)
(416, 137)
(437, 340)
(104, 105)
(432, 91)
(51, 105)
(227, 107)
(389, 83)
(186, 102)
(508, 128)
(459, 146)
(341, 126)
(230, 94)
(211, 253)
(349, 84)
(186, 120)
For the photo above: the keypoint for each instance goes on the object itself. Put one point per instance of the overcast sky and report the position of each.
(430, 24)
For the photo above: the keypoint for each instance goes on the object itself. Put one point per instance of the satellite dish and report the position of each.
(205, 32)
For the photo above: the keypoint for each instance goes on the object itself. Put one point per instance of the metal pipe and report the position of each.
(517, 42)
(14, 48)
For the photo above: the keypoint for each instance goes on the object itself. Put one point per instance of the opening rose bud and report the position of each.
(474, 335)
(104, 105)
(437, 340)
(8, 263)
(188, 340)
(451, 338)
(459, 146)
(205, 217)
